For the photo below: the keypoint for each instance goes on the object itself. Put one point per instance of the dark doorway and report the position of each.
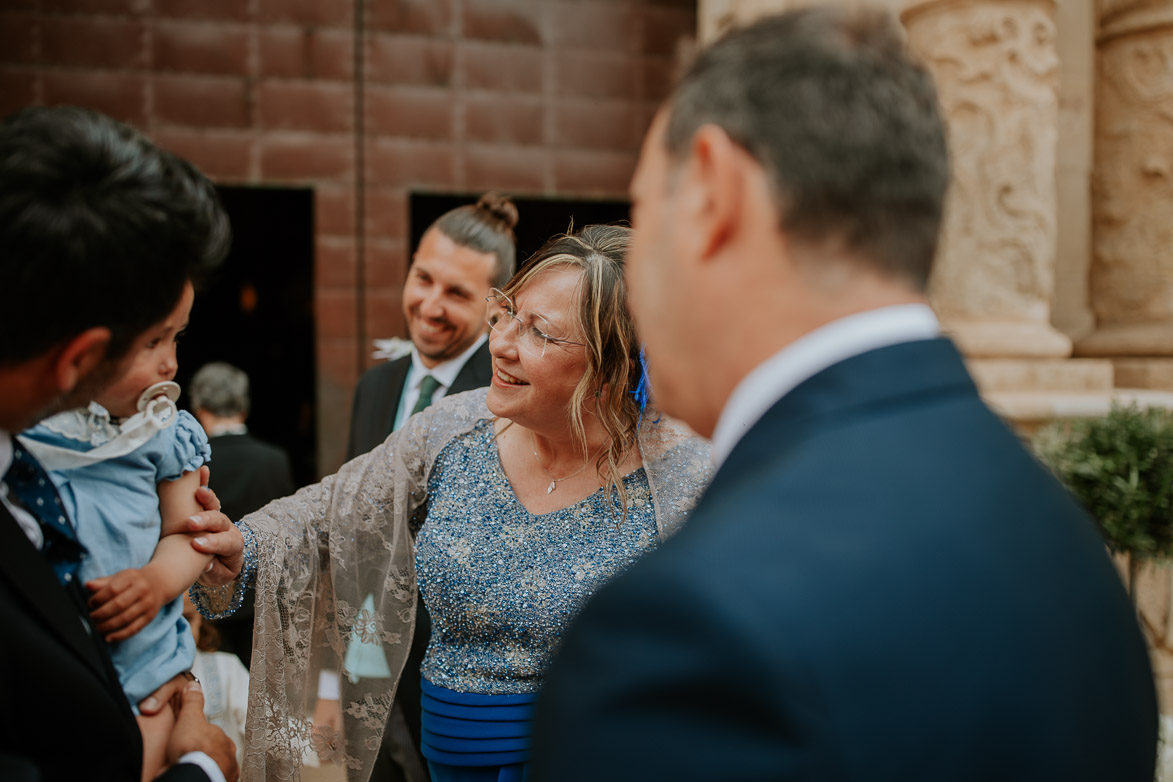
(256, 313)
(539, 218)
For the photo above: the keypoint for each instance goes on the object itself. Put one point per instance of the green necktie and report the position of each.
(428, 387)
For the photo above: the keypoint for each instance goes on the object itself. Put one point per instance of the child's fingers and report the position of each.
(126, 618)
(128, 631)
(115, 604)
(120, 620)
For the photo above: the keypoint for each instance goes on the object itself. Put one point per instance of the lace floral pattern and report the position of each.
(320, 552)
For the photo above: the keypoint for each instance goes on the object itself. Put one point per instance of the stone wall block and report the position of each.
(224, 156)
(505, 119)
(334, 262)
(95, 42)
(593, 172)
(19, 38)
(514, 21)
(386, 214)
(500, 68)
(592, 75)
(420, 17)
(18, 88)
(198, 48)
(217, 10)
(595, 125)
(307, 157)
(201, 101)
(108, 7)
(597, 27)
(315, 13)
(409, 163)
(398, 59)
(334, 212)
(410, 112)
(316, 105)
(121, 95)
(494, 167)
(386, 265)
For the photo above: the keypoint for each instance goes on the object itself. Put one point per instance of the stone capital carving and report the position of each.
(996, 67)
(1132, 268)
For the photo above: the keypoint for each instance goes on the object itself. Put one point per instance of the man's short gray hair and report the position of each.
(221, 389)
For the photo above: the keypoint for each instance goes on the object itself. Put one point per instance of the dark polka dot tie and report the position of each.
(29, 484)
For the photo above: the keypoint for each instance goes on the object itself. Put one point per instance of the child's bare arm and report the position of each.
(122, 604)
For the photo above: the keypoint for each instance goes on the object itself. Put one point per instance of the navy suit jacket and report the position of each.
(881, 583)
(63, 716)
(376, 398)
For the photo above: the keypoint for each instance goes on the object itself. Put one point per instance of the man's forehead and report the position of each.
(455, 263)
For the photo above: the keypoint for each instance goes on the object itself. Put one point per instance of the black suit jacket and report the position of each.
(63, 712)
(880, 584)
(247, 473)
(376, 398)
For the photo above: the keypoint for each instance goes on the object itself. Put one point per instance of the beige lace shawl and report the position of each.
(324, 549)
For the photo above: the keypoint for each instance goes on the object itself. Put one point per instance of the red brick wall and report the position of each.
(534, 98)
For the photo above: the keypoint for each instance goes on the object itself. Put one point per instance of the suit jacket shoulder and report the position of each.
(877, 544)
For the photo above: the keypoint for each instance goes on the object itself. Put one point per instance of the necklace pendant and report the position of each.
(553, 485)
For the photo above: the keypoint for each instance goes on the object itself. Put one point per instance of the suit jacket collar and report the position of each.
(810, 354)
(909, 373)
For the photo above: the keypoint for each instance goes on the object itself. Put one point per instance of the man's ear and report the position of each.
(79, 356)
(718, 180)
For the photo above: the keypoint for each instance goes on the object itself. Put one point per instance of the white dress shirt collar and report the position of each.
(804, 358)
(445, 371)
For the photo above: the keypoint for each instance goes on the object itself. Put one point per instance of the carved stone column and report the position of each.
(997, 73)
(1132, 268)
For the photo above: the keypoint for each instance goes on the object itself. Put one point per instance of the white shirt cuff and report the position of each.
(329, 688)
(205, 762)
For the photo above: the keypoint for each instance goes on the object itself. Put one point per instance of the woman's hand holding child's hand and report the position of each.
(123, 604)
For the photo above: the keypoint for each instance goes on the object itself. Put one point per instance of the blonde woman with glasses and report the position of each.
(509, 506)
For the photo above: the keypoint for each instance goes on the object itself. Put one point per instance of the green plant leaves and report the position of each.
(1120, 466)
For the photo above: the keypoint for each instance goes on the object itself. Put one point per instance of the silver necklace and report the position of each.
(553, 481)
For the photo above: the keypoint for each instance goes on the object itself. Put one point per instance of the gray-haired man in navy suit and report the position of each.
(880, 583)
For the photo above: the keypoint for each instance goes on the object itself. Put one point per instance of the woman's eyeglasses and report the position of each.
(533, 330)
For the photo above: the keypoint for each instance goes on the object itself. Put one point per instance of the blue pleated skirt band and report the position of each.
(471, 737)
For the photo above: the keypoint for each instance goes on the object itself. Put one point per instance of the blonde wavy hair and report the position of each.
(613, 367)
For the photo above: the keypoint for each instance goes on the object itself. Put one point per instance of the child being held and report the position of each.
(127, 470)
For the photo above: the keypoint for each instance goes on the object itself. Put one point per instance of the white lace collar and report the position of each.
(91, 425)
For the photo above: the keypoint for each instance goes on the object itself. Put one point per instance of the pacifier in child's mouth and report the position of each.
(158, 401)
(167, 388)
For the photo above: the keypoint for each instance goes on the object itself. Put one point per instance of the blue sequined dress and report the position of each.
(501, 584)
(317, 556)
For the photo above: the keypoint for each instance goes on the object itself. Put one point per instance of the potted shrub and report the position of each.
(1120, 466)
